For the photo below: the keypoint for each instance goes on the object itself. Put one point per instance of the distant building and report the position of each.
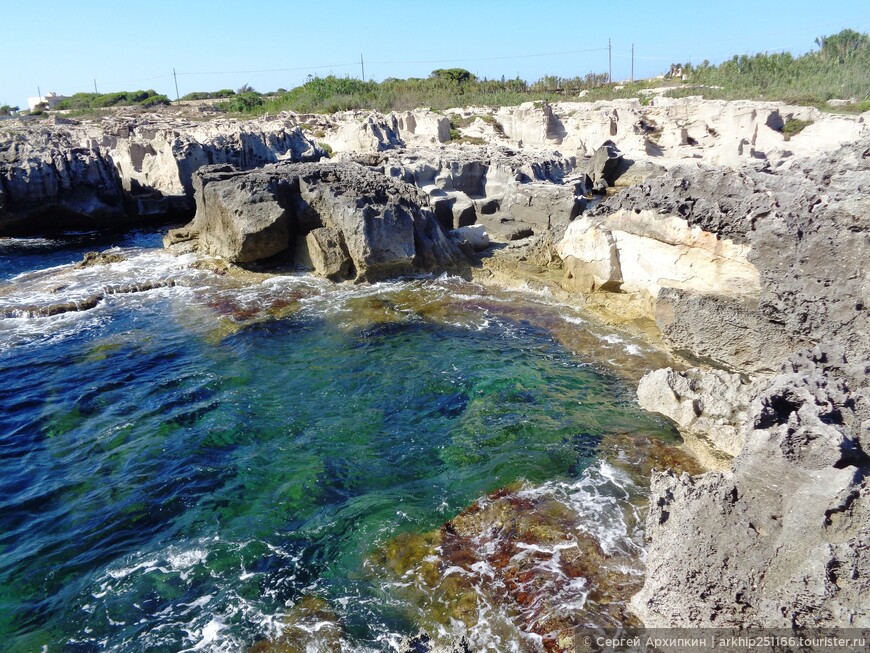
(52, 100)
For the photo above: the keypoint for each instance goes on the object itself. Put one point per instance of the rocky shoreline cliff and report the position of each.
(747, 251)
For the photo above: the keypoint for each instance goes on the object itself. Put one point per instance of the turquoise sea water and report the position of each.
(180, 466)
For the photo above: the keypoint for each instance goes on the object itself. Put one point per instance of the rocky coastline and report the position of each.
(746, 253)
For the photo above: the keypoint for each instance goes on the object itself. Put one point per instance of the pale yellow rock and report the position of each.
(644, 252)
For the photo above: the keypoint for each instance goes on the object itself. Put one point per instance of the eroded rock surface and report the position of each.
(712, 404)
(124, 171)
(353, 222)
(48, 181)
(801, 230)
(782, 540)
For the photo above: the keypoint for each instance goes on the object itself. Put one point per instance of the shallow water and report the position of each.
(185, 461)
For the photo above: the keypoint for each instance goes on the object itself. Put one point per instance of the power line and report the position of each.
(268, 70)
(502, 58)
(397, 62)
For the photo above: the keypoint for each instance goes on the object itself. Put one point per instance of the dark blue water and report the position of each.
(179, 467)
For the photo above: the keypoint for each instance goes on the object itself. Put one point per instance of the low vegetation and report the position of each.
(149, 98)
(840, 68)
(794, 127)
(209, 95)
(443, 89)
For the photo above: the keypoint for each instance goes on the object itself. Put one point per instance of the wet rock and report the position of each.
(91, 259)
(328, 253)
(422, 643)
(310, 625)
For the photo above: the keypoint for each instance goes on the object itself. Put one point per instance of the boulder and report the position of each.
(475, 235)
(356, 223)
(543, 204)
(631, 172)
(244, 218)
(711, 404)
(327, 252)
(605, 163)
(590, 258)
(502, 227)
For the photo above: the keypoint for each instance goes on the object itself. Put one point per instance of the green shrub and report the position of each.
(82, 101)
(795, 126)
(326, 148)
(209, 95)
(243, 102)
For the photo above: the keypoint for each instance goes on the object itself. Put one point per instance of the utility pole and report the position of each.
(362, 65)
(632, 62)
(609, 63)
(39, 93)
(176, 82)
(95, 86)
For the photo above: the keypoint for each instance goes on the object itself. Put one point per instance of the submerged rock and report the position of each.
(310, 625)
(99, 258)
(524, 566)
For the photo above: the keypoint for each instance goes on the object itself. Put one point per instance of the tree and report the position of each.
(843, 46)
(6, 110)
(456, 75)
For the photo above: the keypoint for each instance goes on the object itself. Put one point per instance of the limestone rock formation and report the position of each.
(781, 540)
(643, 251)
(353, 222)
(695, 323)
(778, 253)
(49, 182)
(712, 404)
(127, 170)
(512, 194)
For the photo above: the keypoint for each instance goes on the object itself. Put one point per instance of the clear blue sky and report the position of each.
(62, 46)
